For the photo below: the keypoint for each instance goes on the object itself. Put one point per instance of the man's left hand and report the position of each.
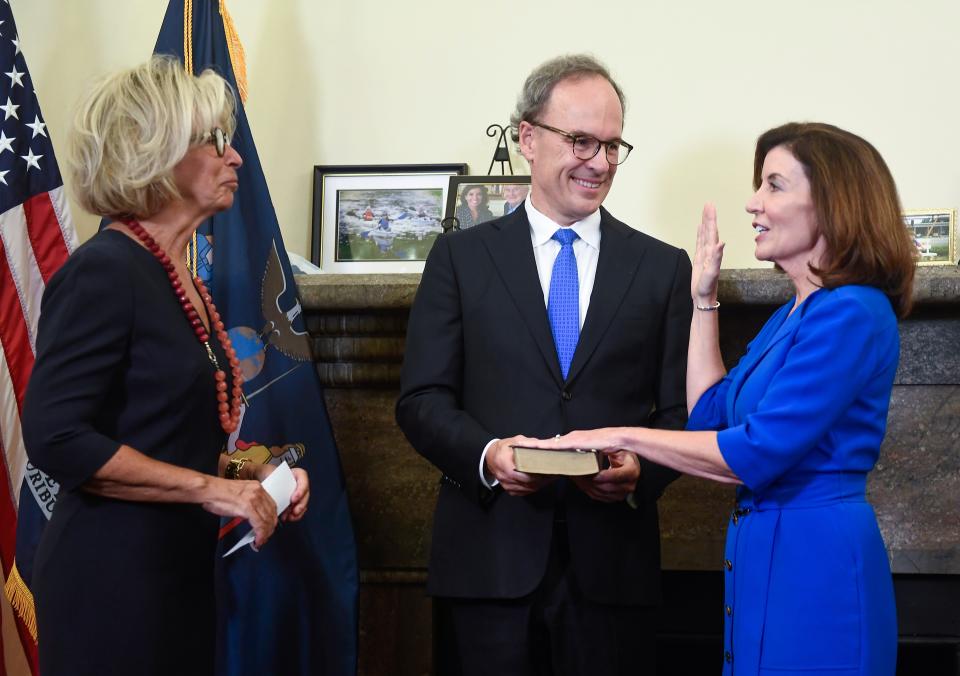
(616, 482)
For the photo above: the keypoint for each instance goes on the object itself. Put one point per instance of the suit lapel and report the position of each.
(617, 265)
(508, 241)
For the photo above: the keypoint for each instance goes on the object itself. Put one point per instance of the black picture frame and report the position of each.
(493, 199)
(332, 231)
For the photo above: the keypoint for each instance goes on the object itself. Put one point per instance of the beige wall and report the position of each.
(376, 82)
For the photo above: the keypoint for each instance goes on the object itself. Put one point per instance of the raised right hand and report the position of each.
(500, 463)
(246, 499)
(706, 261)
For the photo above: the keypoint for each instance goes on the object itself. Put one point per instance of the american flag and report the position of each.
(36, 236)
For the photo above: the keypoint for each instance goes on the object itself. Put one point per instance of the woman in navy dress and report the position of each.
(799, 421)
(136, 387)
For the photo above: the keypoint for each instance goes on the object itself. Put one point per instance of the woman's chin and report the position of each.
(223, 204)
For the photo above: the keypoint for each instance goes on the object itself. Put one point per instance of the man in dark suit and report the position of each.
(513, 196)
(553, 318)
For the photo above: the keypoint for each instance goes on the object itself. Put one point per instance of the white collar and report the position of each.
(543, 226)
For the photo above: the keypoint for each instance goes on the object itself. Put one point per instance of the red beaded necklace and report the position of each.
(229, 413)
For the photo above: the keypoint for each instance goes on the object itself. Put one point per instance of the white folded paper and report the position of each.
(280, 485)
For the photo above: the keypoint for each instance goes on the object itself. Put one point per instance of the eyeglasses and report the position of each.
(218, 138)
(587, 147)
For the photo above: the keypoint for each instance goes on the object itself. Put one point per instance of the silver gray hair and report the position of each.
(540, 83)
(133, 127)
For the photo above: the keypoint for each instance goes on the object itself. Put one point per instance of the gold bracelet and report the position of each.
(233, 468)
(709, 308)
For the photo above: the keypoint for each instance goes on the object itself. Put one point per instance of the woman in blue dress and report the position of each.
(799, 421)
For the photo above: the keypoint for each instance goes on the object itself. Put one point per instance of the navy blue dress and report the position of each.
(121, 587)
(801, 418)
(465, 218)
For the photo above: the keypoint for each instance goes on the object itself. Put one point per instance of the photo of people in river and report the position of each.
(390, 224)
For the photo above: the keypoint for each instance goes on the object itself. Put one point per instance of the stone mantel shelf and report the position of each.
(358, 329)
(935, 285)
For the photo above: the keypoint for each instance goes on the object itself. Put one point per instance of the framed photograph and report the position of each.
(472, 200)
(934, 233)
(378, 218)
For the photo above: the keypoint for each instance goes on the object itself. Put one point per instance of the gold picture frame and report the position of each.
(934, 232)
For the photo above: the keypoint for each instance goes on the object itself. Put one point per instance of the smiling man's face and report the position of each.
(563, 187)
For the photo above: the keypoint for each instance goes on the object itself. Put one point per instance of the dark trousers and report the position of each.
(554, 631)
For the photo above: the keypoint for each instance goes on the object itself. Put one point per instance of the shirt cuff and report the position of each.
(486, 479)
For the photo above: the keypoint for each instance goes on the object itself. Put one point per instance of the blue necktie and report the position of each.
(563, 301)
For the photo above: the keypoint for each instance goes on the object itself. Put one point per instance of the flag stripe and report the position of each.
(14, 334)
(14, 456)
(24, 269)
(50, 250)
(8, 523)
(58, 198)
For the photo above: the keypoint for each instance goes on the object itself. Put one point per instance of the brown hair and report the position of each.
(857, 208)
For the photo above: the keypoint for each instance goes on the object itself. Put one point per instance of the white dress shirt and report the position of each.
(586, 249)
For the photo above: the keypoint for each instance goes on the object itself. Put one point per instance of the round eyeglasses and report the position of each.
(587, 147)
(218, 139)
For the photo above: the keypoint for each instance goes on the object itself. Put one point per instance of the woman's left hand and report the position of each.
(299, 499)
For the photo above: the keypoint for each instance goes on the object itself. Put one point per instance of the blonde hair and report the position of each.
(132, 128)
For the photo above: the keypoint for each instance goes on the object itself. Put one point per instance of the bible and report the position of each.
(560, 462)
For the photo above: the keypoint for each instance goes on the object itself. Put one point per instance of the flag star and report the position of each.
(31, 159)
(10, 110)
(37, 126)
(6, 143)
(16, 78)
(16, 44)
(2, 177)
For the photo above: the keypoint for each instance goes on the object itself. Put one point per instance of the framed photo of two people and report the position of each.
(472, 200)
